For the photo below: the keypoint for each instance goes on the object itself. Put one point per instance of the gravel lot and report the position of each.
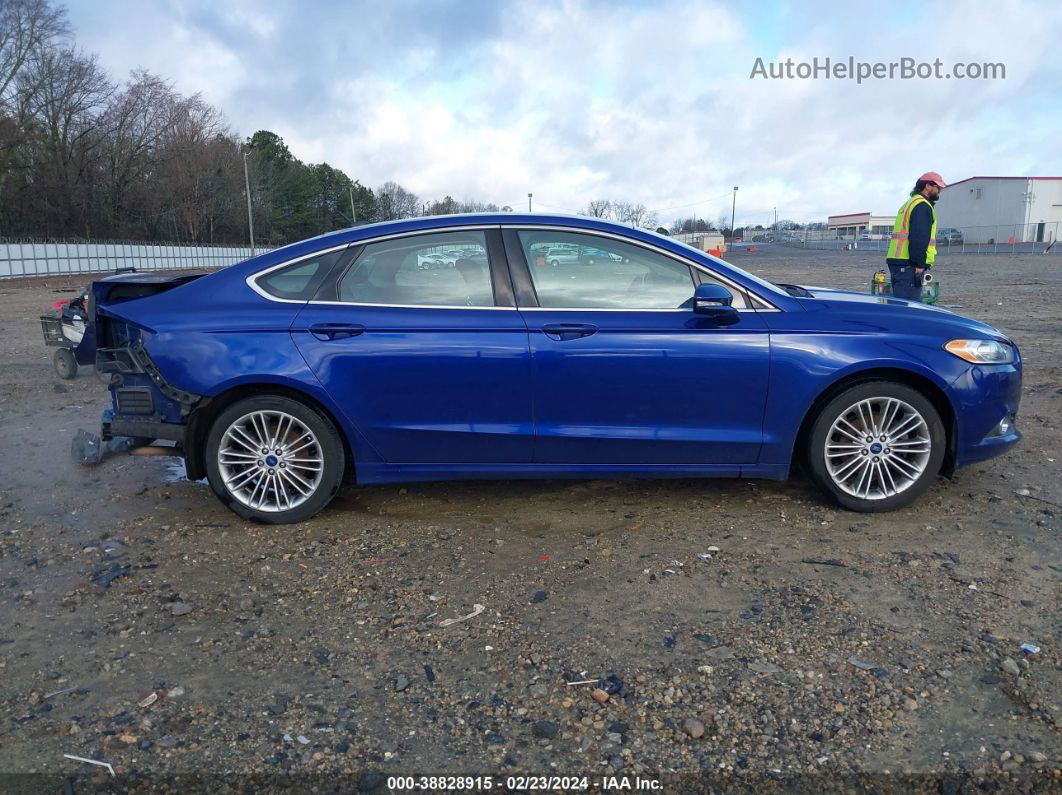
(735, 635)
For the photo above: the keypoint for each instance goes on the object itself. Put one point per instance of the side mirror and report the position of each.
(714, 301)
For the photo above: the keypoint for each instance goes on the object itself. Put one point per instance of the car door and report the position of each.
(431, 365)
(624, 372)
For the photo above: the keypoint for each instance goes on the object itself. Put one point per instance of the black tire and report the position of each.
(554, 263)
(65, 364)
(328, 447)
(878, 500)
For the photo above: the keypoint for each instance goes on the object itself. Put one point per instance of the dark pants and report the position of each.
(905, 282)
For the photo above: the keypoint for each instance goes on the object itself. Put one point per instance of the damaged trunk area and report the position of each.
(144, 406)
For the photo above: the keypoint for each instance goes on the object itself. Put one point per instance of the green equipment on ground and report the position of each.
(930, 289)
(880, 284)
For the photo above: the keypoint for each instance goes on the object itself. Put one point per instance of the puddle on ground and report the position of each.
(173, 472)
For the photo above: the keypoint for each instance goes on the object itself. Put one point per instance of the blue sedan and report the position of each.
(341, 360)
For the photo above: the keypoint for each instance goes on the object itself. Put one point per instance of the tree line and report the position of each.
(83, 156)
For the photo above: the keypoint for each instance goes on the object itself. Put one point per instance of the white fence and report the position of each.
(31, 258)
(1038, 238)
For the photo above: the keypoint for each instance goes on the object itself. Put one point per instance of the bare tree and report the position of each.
(69, 93)
(599, 208)
(138, 120)
(393, 202)
(25, 27)
(469, 206)
(633, 214)
(195, 159)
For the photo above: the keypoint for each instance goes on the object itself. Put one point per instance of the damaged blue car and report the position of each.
(341, 359)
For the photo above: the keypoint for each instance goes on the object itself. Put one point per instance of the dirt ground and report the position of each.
(143, 625)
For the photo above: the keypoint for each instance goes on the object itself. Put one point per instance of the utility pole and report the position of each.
(733, 210)
(353, 215)
(776, 218)
(529, 202)
(247, 184)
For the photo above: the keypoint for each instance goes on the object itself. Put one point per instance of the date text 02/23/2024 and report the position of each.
(522, 783)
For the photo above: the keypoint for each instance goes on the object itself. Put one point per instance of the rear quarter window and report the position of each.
(300, 280)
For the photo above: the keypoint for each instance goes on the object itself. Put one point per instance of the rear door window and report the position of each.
(448, 269)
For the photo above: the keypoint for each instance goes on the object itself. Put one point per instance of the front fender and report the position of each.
(806, 366)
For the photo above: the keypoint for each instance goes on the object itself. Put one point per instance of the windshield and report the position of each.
(752, 277)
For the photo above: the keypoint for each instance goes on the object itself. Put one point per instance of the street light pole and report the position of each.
(247, 184)
(529, 202)
(733, 210)
(353, 215)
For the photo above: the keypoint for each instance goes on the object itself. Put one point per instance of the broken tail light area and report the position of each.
(143, 404)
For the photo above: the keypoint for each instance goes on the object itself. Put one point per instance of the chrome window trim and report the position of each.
(411, 306)
(251, 280)
(669, 254)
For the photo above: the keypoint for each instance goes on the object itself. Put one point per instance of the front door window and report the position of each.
(579, 271)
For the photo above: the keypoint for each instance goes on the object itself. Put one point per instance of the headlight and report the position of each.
(981, 351)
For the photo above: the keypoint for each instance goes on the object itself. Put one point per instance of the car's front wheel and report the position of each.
(877, 446)
(274, 460)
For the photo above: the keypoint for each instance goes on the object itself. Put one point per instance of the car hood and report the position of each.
(829, 299)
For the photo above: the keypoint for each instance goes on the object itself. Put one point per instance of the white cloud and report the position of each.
(575, 100)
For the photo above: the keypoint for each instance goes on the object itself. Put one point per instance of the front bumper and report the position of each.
(984, 396)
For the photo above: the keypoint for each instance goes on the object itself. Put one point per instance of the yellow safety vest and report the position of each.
(899, 247)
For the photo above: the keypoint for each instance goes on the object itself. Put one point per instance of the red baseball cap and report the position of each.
(935, 178)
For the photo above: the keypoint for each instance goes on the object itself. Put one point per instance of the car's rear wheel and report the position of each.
(877, 446)
(274, 460)
(554, 263)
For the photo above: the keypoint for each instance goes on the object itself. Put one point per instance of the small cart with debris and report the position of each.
(69, 330)
(64, 330)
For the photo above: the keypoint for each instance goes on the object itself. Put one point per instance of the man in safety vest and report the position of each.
(913, 242)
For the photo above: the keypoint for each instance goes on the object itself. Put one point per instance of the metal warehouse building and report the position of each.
(1002, 209)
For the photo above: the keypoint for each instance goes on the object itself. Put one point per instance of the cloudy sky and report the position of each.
(649, 102)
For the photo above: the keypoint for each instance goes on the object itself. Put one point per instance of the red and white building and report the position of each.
(854, 225)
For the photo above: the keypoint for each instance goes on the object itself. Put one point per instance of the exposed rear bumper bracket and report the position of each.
(134, 359)
(146, 428)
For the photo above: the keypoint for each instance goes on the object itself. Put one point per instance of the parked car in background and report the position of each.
(341, 360)
(588, 255)
(562, 255)
(949, 237)
(435, 260)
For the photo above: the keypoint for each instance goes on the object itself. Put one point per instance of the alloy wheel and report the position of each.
(877, 448)
(270, 461)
